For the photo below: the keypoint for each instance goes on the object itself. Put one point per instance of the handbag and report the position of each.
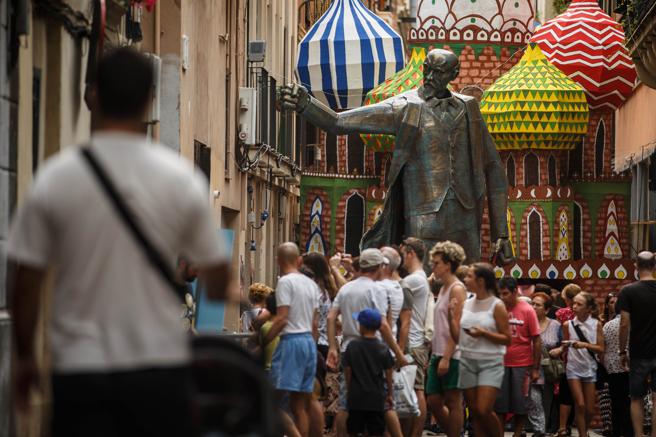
(153, 256)
(601, 370)
(553, 368)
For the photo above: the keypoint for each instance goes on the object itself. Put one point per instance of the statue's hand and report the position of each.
(503, 252)
(294, 97)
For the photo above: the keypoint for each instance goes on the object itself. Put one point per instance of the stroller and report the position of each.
(231, 391)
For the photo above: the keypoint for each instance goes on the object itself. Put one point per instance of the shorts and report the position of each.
(371, 422)
(437, 385)
(641, 369)
(477, 373)
(514, 394)
(294, 363)
(420, 356)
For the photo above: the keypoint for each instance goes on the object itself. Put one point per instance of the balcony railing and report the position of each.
(311, 10)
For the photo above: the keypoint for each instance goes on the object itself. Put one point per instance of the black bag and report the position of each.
(127, 216)
(602, 375)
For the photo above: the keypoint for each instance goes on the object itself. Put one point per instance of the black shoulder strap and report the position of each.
(127, 217)
(583, 338)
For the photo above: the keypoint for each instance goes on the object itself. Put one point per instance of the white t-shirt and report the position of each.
(111, 309)
(301, 295)
(394, 294)
(417, 283)
(353, 297)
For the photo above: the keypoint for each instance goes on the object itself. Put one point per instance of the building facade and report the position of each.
(200, 51)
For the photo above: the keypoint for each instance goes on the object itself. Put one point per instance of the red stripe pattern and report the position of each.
(588, 45)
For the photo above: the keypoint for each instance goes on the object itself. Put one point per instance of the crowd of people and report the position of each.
(489, 357)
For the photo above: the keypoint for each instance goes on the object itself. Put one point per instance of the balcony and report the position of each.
(311, 10)
(639, 21)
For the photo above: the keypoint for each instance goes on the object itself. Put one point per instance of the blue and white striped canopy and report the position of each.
(346, 53)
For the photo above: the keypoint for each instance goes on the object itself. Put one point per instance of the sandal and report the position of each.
(560, 433)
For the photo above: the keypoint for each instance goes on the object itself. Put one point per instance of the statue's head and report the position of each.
(440, 68)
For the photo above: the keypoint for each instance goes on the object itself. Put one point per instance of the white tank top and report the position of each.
(479, 313)
(579, 361)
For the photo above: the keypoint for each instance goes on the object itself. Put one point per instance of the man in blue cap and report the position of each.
(367, 363)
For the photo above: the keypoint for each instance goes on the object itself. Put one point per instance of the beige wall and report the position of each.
(635, 129)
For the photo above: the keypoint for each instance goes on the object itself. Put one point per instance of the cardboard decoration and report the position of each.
(346, 53)
(535, 106)
(588, 45)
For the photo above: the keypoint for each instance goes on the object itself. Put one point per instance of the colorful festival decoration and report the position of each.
(474, 21)
(612, 249)
(562, 253)
(535, 106)
(588, 45)
(346, 53)
(316, 242)
(407, 79)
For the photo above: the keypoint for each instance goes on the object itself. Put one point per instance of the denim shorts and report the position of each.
(640, 369)
(294, 363)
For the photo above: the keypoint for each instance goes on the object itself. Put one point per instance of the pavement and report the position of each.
(510, 434)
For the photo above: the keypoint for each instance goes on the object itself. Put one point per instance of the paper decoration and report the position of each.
(535, 106)
(346, 53)
(588, 45)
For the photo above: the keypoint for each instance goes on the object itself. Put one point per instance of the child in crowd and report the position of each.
(367, 365)
(252, 318)
(268, 349)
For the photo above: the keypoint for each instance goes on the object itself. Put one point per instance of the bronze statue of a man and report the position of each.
(444, 161)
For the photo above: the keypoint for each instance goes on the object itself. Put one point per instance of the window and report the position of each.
(577, 236)
(510, 170)
(203, 158)
(534, 235)
(575, 158)
(599, 149)
(643, 206)
(531, 169)
(354, 225)
(331, 153)
(355, 157)
(553, 179)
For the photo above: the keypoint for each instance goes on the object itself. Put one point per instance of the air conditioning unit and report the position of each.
(248, 115)
(256, 51)
(153, 113)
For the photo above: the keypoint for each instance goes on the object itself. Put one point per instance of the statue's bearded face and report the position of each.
(440, 68)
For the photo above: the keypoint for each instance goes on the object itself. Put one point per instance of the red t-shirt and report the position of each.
(523, 327)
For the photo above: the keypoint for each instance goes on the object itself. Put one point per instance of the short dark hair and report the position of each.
(417, 246)
(508, 283)
(485, 271)
(548, 302)
(124, 82)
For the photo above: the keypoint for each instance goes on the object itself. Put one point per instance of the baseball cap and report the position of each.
(368, 317)
(372, 258)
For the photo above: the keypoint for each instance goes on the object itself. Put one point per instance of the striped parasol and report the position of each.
(346, 53)
(588, 45)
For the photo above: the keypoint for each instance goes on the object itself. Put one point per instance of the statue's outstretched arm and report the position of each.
(373, 119)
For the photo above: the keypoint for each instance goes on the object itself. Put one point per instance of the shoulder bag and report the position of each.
(154, 257)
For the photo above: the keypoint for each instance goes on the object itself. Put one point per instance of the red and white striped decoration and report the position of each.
(588, 45)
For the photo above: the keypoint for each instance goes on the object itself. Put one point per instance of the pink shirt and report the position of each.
(442, 334)
(523, 327)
